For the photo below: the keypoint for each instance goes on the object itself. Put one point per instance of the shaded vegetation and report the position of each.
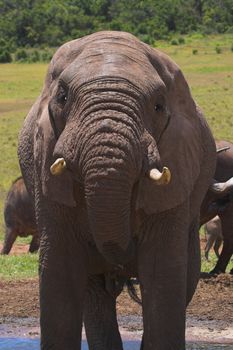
(33, 23)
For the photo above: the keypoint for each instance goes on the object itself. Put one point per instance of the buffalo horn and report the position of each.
(223, 149)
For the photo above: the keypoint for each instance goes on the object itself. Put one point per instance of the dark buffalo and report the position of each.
(219, 201)
(19, 217)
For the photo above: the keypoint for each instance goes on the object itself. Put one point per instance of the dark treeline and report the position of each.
(38, 23)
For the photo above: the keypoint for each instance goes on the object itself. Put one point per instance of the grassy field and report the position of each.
(210, 77)
(18, 266)
(209, 74)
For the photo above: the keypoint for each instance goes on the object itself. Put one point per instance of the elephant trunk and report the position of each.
(110, 168)
(108, 204)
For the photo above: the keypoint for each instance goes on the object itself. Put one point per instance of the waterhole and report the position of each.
(34, 344)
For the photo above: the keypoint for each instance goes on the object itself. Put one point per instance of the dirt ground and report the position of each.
(209, 315)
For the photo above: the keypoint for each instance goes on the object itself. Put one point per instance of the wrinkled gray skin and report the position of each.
(213, 233)
(220, 203)
(19, 217)
(114, 108)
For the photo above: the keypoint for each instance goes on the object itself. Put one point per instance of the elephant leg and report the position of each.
(63, 279)
(224, 258)
(34, 245)
(162, 266)
(194, 260)
(100, 315)
(10, 237)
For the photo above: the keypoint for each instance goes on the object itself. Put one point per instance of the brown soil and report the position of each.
(213, 298)
(212, 302)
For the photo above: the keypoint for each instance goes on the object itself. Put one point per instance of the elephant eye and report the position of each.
(159, 107)
(62, 96)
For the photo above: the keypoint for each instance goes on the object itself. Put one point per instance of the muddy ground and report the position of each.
(209, 316)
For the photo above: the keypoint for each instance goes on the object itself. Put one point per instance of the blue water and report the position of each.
(19, 344)
(33, 344)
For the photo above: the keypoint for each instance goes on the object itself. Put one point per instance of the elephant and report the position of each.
(219, 201)
(19, 217)
(213, 233)
(117, 157)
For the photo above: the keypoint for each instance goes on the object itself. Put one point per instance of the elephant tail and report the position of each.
(130, 284)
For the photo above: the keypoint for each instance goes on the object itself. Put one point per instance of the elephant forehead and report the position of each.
(110, 61)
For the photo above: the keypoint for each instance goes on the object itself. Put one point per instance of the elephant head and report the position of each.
(116, 117)
(218, 196)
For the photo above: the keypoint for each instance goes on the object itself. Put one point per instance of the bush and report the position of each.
(230, 30)
(232, 47)
(5, 56)
(46, 56)
(34, 56)
(181, 40)
(21, 55)
(195, 51)
(174, 42)
(196, 35)
(3, 43)
(218, 49)
(5, 52)
(146, 38)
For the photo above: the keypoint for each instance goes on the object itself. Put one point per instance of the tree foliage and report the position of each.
(49, 23)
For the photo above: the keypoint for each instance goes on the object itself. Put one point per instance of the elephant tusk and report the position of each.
(58, 166)
(161, 178)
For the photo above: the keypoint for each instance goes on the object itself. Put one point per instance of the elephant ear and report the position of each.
(37, 139)
(181, 147)
(57, 188)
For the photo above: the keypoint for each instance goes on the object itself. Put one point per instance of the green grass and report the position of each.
(210, 77)
(18, 266)
(207, 266)
(20, 82)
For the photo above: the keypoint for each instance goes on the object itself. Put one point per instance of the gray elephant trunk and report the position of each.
(110, 168)
(108, 203)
